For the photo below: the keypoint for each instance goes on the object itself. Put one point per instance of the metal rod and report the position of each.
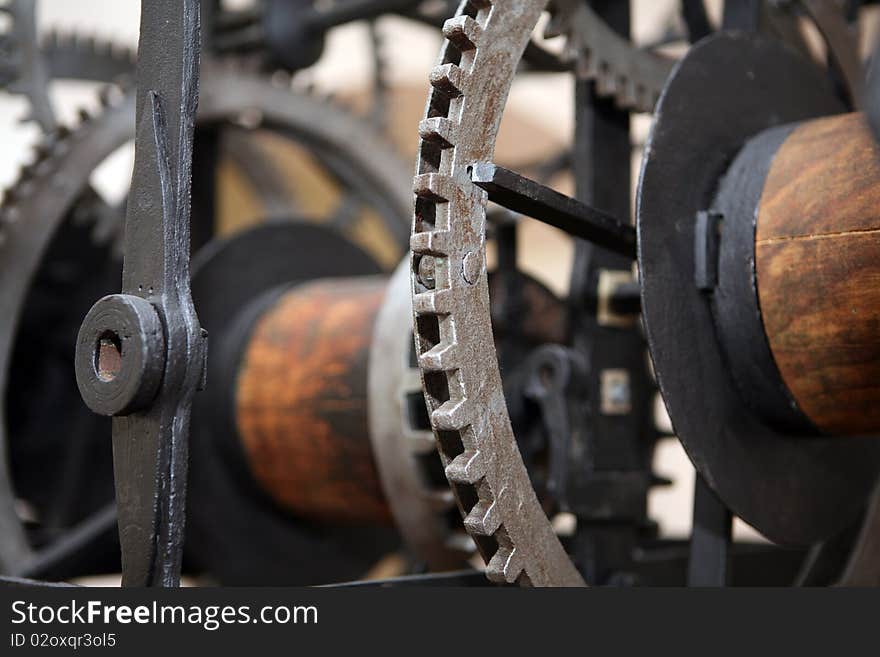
(710, 538)
(533, 199)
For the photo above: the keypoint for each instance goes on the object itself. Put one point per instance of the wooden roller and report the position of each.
(817, 261)
(301, 401)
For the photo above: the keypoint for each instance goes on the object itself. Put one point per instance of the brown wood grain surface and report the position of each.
(818, 267)
(301, 404)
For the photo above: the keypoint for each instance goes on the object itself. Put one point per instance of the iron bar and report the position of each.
(519, 194)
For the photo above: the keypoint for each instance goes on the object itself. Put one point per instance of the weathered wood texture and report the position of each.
(301, 402)
(817, 256)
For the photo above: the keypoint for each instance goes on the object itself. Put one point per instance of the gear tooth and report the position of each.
(463, 31)
(451, 415)
(433, 186)
(448, 79)
(439, 358)
(441, 188)
(505, 566)
(588, 65)
(433, 242)
(484, 519)
(606, 83)
(466, 468)
(642, 98)
(435, 302)
(626, 93)
(438, 130)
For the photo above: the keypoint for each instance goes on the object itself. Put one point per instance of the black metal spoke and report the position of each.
(696, 19)
(510, 308)
(255, 162)
(710, 538)
(519, 194)
(75, 547)
(744, 15)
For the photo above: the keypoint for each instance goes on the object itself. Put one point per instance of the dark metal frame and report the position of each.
(153, 322)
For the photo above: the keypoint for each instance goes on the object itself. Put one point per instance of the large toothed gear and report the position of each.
(456, 355)
(22, 67)
(54, 191)
(403, 446)
(454, 340)
(29, 217)
(29, 63)
(633, 77)
(71, 56)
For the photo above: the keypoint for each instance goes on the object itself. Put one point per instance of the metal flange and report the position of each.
(795, 489)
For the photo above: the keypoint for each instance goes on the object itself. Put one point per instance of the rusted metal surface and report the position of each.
(457, 356)
(301, 401)
(404, 445)
(423, 506)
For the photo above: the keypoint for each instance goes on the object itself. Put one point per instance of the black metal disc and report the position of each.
(795, 489)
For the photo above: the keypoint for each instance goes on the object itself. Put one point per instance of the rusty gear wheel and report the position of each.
(484, 44)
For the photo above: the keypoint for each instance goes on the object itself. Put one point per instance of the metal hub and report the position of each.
(795, 489)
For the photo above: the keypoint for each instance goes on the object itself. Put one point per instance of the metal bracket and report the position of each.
(146, 344)
(707, 241)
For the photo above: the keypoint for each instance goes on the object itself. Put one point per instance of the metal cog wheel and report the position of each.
(633, 77)
(403, 444)
(88, 58)
(456, 353)
(29, 217)
(484, 44)
(29, 63)
(57, 184)
(22, 68)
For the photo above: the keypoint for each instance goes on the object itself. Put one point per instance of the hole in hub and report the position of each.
(108, 356)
